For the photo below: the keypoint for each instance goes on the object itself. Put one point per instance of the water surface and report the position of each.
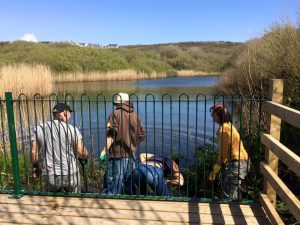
(174, 111)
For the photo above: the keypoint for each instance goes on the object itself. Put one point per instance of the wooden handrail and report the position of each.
(283, 112)
(283, 153)
(282, 190)
(277, 151)
(270, 210)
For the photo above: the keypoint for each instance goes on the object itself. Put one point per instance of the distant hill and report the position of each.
(64, 57)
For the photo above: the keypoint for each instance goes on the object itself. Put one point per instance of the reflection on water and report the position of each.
(173, 86)
(175, 119)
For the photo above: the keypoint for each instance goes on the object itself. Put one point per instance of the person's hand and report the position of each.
(102, 155)
(212, 176)
(83, 162)
(36, 171)
(102, 158)
(168, 181)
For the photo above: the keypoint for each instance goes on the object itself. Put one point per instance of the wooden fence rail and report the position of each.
(276, 151)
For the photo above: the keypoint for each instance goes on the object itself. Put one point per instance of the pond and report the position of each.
(174, 111)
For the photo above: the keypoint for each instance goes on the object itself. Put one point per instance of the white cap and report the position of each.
(121, 98)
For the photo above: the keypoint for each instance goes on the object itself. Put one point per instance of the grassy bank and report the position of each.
(30, 67)
(64, 58)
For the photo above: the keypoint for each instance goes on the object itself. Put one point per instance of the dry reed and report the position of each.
(106, 76)
(191, 73)
(27, 79)
(121, 75)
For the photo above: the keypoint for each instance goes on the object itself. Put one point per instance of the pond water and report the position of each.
(174, 111)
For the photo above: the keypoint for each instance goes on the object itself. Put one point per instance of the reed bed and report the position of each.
(107, 76)
(191, 73)
(27, 79)
(27, 114)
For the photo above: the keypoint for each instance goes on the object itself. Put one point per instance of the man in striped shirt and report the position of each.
(56, 146)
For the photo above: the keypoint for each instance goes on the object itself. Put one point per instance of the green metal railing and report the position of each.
(180, 126)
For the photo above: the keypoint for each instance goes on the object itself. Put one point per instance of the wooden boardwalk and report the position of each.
(73, 210)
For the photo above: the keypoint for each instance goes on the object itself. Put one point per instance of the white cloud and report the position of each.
(29, 37)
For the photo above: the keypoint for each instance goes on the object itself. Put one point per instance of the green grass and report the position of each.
(63, 57)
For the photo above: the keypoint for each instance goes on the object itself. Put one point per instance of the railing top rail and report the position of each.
(292, 116)
(282, 152)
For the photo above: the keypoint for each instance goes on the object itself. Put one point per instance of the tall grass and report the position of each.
(120, 75)
(107, 76)
(28, 79)
(189, 73)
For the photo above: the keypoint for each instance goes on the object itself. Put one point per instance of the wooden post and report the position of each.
(273, 126)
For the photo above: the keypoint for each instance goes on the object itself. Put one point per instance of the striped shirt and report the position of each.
(57, 143)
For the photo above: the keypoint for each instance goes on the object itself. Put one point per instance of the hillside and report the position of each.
(64, 57)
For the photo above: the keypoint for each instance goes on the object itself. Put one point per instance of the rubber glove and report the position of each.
(212, 176)
(102, 157)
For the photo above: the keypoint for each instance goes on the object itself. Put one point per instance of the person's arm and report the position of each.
(224, 149)
(82, 152)
(109, 142)
(142, 133)
(224, 146)
(145, 156)
(111, 133)
(177, 179)
(34, 154)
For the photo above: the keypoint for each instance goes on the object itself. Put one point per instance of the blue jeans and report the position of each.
(117, 178)
(154, 177)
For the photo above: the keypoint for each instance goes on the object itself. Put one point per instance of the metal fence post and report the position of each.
(13, 145)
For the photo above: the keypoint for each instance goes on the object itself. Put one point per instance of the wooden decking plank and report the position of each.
(55, 218)
(59, 220)
(28, 210)
(91, 212)
(44, 211)
(211, 210)
(205, 208)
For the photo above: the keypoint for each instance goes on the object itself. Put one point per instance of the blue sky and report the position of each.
(127, 22)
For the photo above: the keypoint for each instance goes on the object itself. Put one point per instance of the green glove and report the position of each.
(102, 158)
(214, 172)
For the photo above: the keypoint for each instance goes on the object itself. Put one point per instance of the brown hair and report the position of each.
(222, 112)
